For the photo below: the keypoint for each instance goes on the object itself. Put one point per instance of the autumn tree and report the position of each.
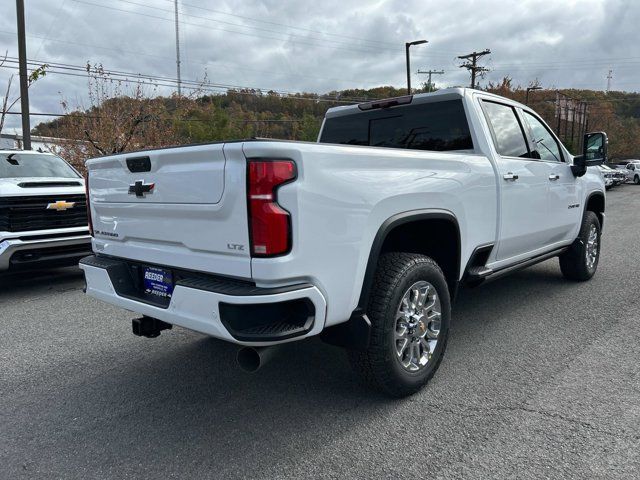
(35, 74)
(119, 117)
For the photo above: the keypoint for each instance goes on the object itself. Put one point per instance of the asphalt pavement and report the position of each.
(540, 380)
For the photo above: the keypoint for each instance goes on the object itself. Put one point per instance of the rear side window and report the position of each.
(438, 126)
(508, 136)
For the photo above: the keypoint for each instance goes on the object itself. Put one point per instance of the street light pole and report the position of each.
(24, 77)
(526, 98)
(406, 50)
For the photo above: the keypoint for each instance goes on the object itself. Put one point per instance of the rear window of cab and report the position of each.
(435, 126)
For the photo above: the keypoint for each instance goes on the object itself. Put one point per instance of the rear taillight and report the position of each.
(269, 224)
(86, 189)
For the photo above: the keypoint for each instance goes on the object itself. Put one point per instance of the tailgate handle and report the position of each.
(139, 164)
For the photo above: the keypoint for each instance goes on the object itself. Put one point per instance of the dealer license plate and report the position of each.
(158, 283)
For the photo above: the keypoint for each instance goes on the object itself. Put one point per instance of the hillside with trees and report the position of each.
(121, 118)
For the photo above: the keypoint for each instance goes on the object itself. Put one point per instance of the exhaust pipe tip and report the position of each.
(249, 359)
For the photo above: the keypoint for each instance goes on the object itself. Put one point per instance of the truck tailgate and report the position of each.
(180, 175)
(183, 207)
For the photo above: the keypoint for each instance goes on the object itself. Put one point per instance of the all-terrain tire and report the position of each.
(574, 263)
(380, 366)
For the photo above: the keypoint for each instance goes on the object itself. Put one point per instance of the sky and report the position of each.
(321, 46)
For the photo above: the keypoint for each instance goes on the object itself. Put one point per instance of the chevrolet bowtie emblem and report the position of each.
(60, 205)
(139, 188)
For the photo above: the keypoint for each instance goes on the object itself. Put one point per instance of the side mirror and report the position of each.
(594, 152)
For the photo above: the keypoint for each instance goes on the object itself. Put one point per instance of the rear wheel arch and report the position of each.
(406, 232)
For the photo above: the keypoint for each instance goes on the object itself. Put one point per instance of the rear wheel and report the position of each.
(409, 312)
(580, 262)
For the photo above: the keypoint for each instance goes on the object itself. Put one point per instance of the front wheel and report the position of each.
(409, 312)
(636, 180)
(580, 262)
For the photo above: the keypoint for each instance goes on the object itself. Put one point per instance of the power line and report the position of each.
(588, 61)
(338, 45)
(51, 25)
(285, 25)
(568, 67)
(169, 82)
(144, 54)
(159, 117)
(156, 80)
(376, 44)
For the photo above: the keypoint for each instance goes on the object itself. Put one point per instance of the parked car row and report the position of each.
(631, 170)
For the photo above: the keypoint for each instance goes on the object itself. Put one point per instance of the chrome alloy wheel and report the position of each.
(592, 247)
(417, 326)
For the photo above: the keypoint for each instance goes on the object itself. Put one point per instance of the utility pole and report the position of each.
(175, 3)
(472, 64)
(609, 78)
(583, 125)
(586, 121)
(24, 77)
(431, 72)
(558, 112)
(566, 119)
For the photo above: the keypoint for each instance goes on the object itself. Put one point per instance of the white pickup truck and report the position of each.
(632, 171)
(43, 214)
(363, 237)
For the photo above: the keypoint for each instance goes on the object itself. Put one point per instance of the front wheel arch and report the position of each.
(595, 203)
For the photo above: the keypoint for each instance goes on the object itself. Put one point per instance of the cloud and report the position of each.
(318, 46)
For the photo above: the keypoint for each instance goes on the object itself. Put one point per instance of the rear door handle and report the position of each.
(553, 177)
(510, 176)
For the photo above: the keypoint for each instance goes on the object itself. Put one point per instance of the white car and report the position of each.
(362, 238)
(612, 176)
(632, 170)
(608, 176)
(43, 214)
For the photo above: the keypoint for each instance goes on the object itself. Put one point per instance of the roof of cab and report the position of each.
(454, 92)
(445, 93)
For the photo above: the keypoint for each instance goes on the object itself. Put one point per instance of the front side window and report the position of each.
(507, 132)
(437, 126)
(543, 145)
(19, 165)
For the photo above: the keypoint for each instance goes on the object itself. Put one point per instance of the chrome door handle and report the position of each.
(510, 176)
(553, 177)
